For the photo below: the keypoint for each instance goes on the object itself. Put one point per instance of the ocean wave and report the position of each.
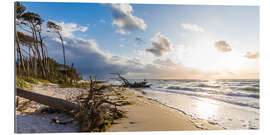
(220, 97)
(243, 95)
(210, 86)
(214, 92)
(181, 88)
(251, 89)
(256, 85)
(231, 115)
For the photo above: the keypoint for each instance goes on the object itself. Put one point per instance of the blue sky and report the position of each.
(175, 41)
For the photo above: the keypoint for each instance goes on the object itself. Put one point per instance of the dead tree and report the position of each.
(126, 83)
(91, 114)
(47, 100)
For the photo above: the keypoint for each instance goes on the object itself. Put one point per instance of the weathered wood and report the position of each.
(126, 83)
(47, 100)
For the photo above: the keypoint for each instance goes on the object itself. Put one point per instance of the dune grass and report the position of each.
(25, 82)
(20, 83)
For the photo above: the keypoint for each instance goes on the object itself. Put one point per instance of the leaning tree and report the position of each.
(33, 21)
(54, 28)
(20, 9)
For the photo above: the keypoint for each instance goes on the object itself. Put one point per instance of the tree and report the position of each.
(34, 22)
(53, 27)
(19, 11)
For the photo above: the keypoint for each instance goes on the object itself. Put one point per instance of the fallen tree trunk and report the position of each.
(89, 111)
(57, 103)
(126, 83)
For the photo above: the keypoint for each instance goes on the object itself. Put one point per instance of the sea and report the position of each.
(231, 104)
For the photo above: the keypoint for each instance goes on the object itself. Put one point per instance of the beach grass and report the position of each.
(20, 83)
(27, 82)
(77, 85)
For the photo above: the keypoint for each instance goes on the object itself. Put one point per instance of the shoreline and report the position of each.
(149, 115)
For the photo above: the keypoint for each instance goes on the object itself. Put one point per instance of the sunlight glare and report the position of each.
(207, 107)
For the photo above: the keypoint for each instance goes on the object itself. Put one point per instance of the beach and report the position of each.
(142, 115)
(230, 104)
(148, 115)
(31, 120)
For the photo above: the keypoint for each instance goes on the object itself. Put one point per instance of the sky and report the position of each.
(155, 41)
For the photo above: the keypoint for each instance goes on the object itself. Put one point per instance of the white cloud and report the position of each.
(69, 28)
(86, 55)
(252, 55)
(192, 27)
(142, 53)
(125, 20)
(167, 63)
(58, 40)
(160, 45)
(222, 46)
(122, 31)
(89, 59)
(121, 45)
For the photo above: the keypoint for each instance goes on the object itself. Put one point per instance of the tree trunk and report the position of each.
(35, 54)
(19, 51)
(47, 100)
(64, 55)
(38, 51)
(43, 56)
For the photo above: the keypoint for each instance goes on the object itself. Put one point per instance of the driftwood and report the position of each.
(88, 111)
(92, 110)
(126, 83)
(57, 103)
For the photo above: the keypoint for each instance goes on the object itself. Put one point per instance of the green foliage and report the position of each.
(53, 26)
(27, 81)
(45, 84)
(82, 85)
(65, 85)
(19, 9)
(20, 83)
(61, 84)
(56, 75)
(31, 80)
(109, 119)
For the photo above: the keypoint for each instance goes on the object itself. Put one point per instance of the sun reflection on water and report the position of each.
(207, 108)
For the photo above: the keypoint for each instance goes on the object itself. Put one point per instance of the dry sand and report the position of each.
(31, 120)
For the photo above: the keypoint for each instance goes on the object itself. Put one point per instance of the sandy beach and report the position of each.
(149, 115)
(142, 115)
(31, 120)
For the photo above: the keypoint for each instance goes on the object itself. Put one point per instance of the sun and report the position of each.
(207, 58)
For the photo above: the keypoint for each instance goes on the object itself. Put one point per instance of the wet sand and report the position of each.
(148, 115)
